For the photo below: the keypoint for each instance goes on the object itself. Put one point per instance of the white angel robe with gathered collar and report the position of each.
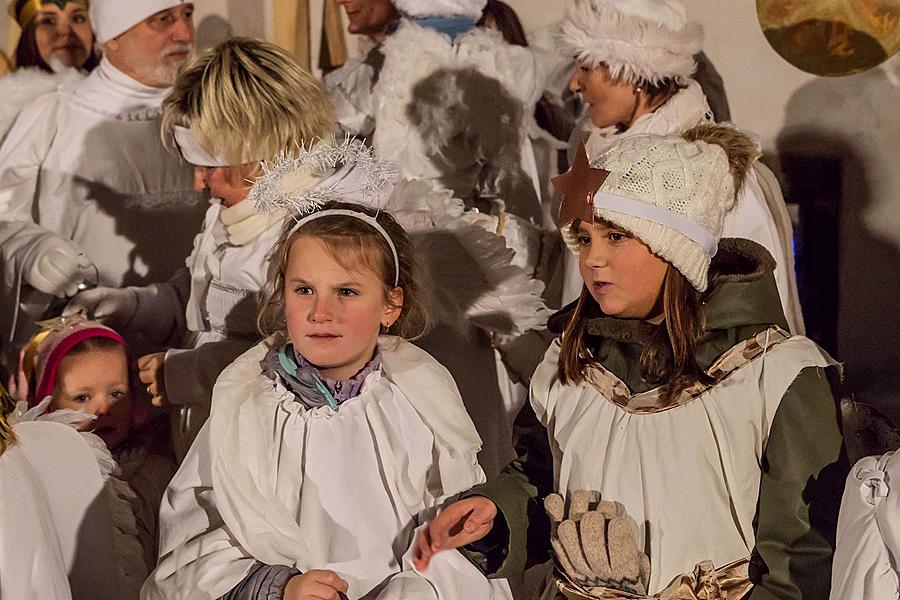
(269, 480)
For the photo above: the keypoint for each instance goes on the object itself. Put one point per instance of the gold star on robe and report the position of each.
(576, 188)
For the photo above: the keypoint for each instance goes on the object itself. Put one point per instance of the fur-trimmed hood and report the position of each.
(639, 40)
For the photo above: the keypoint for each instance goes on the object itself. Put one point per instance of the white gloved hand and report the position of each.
(56, 266)
(113, 307)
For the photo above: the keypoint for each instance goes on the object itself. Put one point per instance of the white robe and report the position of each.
(56, 538)
(87, 163)
(868, 535)
(269, 480)
(707, 449)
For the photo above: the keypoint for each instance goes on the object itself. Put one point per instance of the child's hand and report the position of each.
(459, 524)
(151, 371)
(315, 585)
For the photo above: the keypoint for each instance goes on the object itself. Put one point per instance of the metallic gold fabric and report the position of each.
(832, 37)
(31, 8)
(731, 582)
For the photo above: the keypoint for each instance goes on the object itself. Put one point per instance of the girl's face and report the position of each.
(96, 382)
(63, 35)
(611, 102)
(223, 183)
(334, 315)
(620, 272)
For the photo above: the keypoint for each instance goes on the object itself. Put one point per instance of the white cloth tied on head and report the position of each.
(112, 18)
(193, 152)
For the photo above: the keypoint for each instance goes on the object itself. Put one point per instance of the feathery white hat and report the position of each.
(112, 18)
(441, 8)
(639, 40)
(672, 193)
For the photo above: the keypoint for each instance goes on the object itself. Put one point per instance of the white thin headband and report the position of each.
(362, 217)
(650, 212)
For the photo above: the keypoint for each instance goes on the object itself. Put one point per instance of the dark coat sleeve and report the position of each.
(804, 466)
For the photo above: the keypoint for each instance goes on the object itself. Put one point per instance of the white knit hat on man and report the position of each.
(112, 18)
(639, 40)
(471, 9)
(669, 191)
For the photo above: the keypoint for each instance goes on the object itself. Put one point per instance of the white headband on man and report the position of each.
(362, 217)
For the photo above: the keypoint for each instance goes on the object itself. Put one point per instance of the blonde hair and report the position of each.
(353, 244)
(247, 98)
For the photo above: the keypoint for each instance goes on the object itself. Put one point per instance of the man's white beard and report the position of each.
(162, 72)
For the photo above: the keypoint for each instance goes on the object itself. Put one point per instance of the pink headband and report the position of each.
(48, 374)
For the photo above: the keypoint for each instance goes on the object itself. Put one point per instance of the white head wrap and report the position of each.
(112, 18)
(441, 8)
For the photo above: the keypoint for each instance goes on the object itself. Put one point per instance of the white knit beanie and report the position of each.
(441, 8)
(639, 40)
(112, 18)
(672, 193)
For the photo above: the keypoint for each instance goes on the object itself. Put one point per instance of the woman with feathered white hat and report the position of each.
(635, 63)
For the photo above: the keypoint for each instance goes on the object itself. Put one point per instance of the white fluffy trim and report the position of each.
(20, 88)
(633, 47)
(441, 8)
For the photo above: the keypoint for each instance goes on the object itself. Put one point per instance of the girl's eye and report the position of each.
(46, 21)
(303, 290)
(584, 240)
(118, 394)
(348, 292)
(81, 398)
(617, 236)
(79, 19)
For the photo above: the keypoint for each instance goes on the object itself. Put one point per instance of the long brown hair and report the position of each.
(353, 244)
(668, 358)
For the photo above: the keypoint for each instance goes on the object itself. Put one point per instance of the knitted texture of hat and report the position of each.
(441, 8)
(111, 18)
(683, 182)
(639, 40)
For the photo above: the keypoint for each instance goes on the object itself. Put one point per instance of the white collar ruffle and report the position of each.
(113, 94)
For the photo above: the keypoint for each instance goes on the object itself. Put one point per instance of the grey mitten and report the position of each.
(597, 547)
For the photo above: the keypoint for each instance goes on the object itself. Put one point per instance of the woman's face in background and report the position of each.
(63, 35)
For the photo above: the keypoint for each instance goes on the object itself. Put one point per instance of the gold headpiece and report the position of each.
(30, 9)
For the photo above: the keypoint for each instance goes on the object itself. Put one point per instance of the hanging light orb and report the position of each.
(832, 38)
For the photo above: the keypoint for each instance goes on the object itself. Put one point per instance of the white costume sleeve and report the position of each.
(868, 534)
(752, 218)
(449, 576)
(198, 556)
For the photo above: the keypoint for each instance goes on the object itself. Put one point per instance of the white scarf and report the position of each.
(682, 111)
(244, 223)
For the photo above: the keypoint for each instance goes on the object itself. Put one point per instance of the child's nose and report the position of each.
(321, 310)
(597, 256)
(574, 84)
(103, 405)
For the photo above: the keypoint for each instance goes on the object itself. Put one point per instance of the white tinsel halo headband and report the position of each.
(292, 182)
(297, 183)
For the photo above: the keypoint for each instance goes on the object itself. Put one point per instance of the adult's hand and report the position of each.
(459, 524)
(111, 306)
(56, 266)
(315, 585)
(151, 370)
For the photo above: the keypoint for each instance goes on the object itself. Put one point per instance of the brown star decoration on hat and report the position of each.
(576, 188)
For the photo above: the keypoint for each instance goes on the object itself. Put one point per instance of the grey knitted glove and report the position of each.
(597, 547)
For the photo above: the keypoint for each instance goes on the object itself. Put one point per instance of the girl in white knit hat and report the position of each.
(635, 63)
(695, 441)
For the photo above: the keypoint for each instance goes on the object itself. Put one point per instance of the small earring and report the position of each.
(637, 90)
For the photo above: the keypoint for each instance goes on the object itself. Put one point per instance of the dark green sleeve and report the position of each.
(804, 467)
(523, 538)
